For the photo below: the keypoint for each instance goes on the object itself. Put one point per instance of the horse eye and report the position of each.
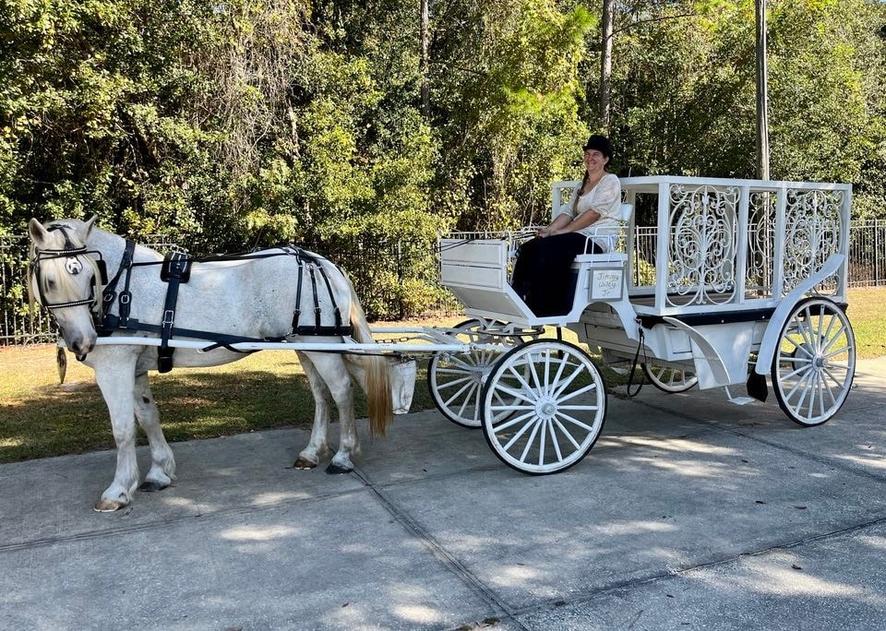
(50, 284)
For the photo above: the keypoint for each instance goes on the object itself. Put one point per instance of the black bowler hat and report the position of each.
(601, 144)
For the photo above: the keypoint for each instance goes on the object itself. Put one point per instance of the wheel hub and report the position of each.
(546, 408)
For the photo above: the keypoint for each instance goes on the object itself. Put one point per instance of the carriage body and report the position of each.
(722, 281)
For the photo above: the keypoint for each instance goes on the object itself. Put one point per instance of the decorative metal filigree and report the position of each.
(703, 243)
(812, 234)
(761, 243)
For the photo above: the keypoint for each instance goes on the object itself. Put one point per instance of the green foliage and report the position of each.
(227, 126)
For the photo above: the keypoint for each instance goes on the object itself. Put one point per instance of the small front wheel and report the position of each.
(543, 407)
(670, 378)
(455, 380)
(814, 363)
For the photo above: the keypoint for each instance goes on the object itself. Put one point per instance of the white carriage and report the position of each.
(734, 281)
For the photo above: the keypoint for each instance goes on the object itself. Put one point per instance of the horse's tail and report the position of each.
(378, 385)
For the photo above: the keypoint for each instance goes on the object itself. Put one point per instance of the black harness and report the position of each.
(175, 269)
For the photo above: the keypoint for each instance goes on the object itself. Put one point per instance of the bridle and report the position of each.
(73, 266)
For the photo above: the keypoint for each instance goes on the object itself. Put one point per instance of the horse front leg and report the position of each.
(116, 379)
(335, 374)
(318, 446)
(162, 471)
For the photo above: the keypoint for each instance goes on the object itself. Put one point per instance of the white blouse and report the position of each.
(605, 198)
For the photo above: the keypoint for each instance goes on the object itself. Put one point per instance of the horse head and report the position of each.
(67, 278)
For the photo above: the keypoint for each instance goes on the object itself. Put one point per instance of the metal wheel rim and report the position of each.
(560, 407)
(814, 363)
(679, 380)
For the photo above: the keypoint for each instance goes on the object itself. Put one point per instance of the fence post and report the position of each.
(877, 253)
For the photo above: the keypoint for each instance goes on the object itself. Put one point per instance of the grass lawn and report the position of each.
(39, 418)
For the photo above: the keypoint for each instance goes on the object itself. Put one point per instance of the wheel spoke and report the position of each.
(534, 373)
(799, 347)
(845, 349)
(554, 440)
(468, 396)
(569, 380)
(805, 391)
(812, 392)
(451, 371)
(458, 393)
(512, 422)
(578, 407)
(837, 382)
(547, 371)
(840, 333)
(572, 395)
(827, 334)
(529, 442)
(541, 443)
(520, 378)
(454, 382)
(514, 393)
(574, 420)
(517, 436)
(566, 433)
(795, 373)
(800, 383)
(512, 407)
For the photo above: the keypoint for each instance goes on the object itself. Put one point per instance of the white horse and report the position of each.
(253, 297)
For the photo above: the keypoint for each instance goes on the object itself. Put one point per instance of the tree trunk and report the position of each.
(605, 63)
(762, 95)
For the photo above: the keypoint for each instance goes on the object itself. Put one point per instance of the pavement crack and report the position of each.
(450, 561)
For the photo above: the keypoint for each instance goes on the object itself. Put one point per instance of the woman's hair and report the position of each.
(577, 193)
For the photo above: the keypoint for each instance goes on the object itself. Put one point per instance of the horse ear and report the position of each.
(37, 232)
(87, 228)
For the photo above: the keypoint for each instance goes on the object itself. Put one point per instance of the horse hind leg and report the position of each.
(318, 446)
(162, 471)
(337, 379)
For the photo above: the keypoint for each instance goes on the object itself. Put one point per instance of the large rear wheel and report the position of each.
(543, 407)
(814, 363)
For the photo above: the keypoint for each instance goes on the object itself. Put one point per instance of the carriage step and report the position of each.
(742, 400)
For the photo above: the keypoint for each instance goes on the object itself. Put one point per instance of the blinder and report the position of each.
(73, 266)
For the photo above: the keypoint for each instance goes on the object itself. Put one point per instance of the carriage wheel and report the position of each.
(814, 364)
(670, 378)
(456, 379)
(543, 407)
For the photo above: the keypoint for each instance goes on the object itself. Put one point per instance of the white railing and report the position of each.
(735, 242)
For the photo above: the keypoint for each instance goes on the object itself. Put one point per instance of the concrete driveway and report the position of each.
(690, 513)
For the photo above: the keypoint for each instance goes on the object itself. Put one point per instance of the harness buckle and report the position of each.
(125, 298)
(168, 318)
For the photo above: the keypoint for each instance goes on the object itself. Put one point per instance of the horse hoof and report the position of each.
(336, 469)
(149, 486)
(304, 464)
(107, 506)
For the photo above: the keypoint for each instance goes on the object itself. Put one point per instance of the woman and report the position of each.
(541, 274)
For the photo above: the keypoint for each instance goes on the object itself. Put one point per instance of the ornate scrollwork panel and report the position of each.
(703, 241)
(812, 234)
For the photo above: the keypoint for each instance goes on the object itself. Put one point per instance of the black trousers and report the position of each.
(542, 277)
